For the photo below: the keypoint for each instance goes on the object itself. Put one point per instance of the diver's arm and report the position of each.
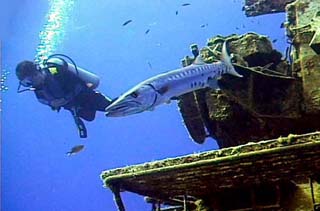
(53, 103)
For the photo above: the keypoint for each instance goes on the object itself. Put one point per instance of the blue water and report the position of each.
(36, 173)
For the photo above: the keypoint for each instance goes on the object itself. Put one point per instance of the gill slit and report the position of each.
(155, 97)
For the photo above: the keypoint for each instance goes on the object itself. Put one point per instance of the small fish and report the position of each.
(150, 66)
(185, 4)
(204, 25)
(146, 32)
(177, 12)
(275, 40)
(282, 25)
(75, 150)
(164, 87)
(127, 22)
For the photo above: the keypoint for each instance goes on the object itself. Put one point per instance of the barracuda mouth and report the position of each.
(124, 108)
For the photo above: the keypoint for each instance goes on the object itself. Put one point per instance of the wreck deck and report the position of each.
(198, 175)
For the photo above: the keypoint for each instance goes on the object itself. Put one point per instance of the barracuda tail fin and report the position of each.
(227, 60)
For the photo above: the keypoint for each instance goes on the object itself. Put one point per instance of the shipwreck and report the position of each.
(271, 162)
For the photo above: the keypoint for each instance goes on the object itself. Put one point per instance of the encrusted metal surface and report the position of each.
(266, 103)
(260, 7)
(199, 175)
(303, 23)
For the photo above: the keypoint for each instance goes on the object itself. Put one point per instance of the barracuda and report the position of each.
(168, 86)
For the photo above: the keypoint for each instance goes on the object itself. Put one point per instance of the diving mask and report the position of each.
(27, 82)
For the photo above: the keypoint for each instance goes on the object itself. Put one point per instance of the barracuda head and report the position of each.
(136, 100)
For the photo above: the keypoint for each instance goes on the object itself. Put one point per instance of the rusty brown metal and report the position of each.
(266, 103)
(213, 173)
(303, 22)
(261, 7)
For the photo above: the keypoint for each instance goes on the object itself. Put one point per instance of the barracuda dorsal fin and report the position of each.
(198, 60)
(227, 60)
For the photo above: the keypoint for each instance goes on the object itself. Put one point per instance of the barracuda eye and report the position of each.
(134, 94)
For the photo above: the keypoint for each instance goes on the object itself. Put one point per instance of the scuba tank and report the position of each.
(84, 75)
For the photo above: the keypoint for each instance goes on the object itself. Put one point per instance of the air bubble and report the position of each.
(54, 29)
(4, 87)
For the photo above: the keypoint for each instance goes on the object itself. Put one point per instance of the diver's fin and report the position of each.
(79, 123)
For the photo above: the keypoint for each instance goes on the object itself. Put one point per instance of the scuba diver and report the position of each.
(59, 84)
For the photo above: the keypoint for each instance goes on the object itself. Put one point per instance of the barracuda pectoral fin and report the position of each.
(199, 60)
(163, 90)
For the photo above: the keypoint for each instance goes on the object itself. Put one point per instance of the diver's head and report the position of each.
(29, 74)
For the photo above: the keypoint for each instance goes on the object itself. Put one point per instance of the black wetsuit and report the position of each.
(63, 88)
